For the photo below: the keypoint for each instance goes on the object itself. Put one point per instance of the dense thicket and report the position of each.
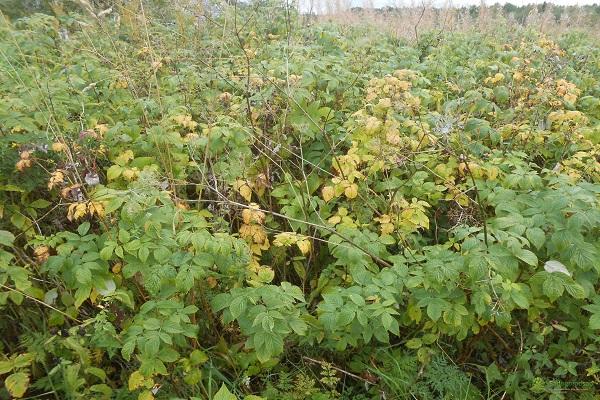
(223, 202)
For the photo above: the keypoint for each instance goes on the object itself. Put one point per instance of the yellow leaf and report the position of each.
(117, 268)
(518, 76)
(259, 235)
(328, 193)
(93, 295)
(351, 191)
(492, 173)
(136, 380)
(212, 282)
(124, 157)
(304, 246)
(285, 239)
(59, 147)
(96, 207)
(244, 188)
(131, 173)
(23, 164)
(76, 211)
(56, 178)
(387, 228)
(146, 395)
(266, 274)
(17, 384)
(253, 214)
(336, 219)
(101, 128)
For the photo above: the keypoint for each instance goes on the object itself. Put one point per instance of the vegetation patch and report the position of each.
(231, 201)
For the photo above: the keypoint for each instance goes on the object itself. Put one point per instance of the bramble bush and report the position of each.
(238, 203)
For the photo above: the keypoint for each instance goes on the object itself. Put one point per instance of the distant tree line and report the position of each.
(518, 13)
(19, 8)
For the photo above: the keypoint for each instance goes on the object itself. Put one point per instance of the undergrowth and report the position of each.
(227, 201)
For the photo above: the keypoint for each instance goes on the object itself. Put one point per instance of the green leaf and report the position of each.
(83, 228)
(152, 345)
(167, 354)
(124, 236)
(553, 287)
(106, 252)
(357, 299)
(83, 275)
(193, 377)
(414, 343)
(97, 372)
(536, 236)
(114, 172)
(575, 290)
(519, 298)
(386, 321)
(6, 238)
(17, 384)
(237, 306)
(298, 326)
(268, 345)
(162, 254)
(127, 349)
(82, 294)
(435, 308)
(221, 301)
(224, 394)
(527, 256)
(345, 316)
(6, 366)
(198, 357)
(152, 324)
(143, 253)
(595, 321)
(40, 203)
(102, 388)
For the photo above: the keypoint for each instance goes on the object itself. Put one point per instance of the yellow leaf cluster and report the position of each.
(101, 129)
(342, 217)
(253, 215)
(348, 163)
(391, 86)
(59, 147)
(56, 178)
(131, 174)
(412, 215)
(121, 84)
(124, 157)
(76, 211)
(24, 162)
(518, 76)
(137, 381)
(567, 90)
(290, 238)
(498, 77)
(185, 120)
(386, 225)
(81, 209)
(568, 117)
(41, 254)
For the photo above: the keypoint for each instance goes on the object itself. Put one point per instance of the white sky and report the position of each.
(460, 3)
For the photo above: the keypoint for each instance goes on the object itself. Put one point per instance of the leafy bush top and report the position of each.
(182, 208)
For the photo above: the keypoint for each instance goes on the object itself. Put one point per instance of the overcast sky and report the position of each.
(461, 3)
